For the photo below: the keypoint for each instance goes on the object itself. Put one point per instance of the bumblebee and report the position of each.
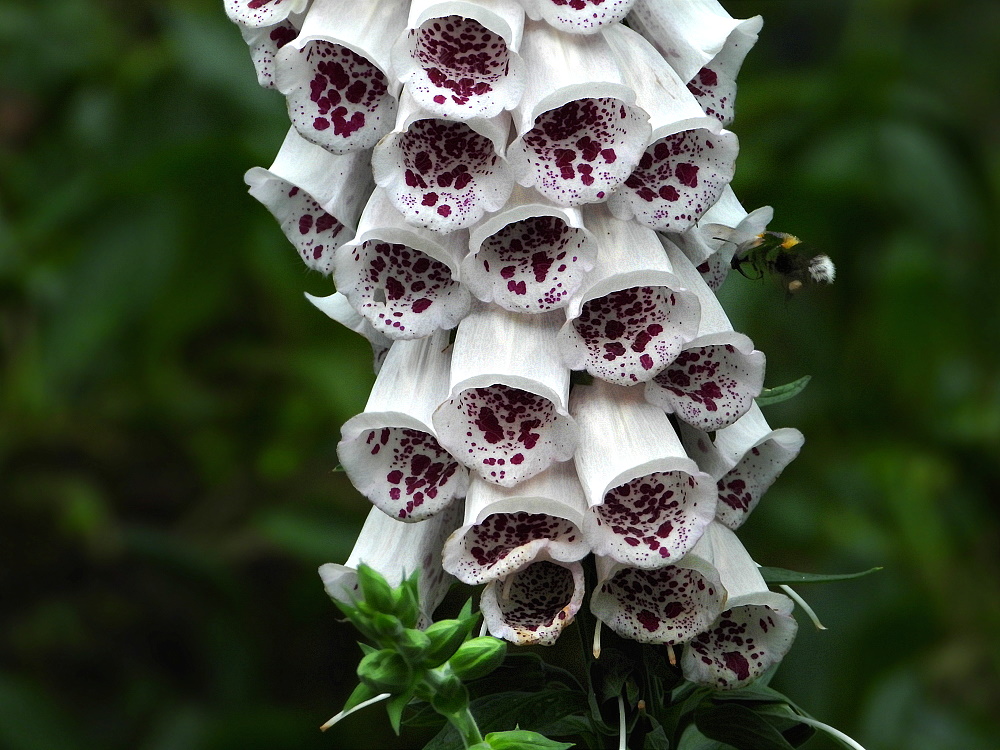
(786, 256)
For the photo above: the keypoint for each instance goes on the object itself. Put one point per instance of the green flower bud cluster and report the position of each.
(409, 663)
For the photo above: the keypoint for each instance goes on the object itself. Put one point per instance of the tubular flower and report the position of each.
(446, 165)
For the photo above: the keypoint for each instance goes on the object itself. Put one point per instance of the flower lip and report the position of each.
(580, 16)
(532, 256)
(507, 529)
(459, 60)
(258, 13)
(534, 604)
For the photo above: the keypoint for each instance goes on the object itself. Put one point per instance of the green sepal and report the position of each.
(478, 657)
(394, 707)
(780, 576)
(385, 671)
(361, 694)
(520, 739)
(406, 601)
(376, 590)
(784, 392)
(387, 628)
(366, 649)
(357, 618)
(446, 636)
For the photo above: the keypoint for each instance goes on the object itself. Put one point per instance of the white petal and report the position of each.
(533, 605)
(689, 33)
(715, 84)
(753, 633)
(337, 307)
(507, 416)
(631, 317)
(264, 43)
(531, 256)
(580, 17)
(316, 196)
(507, 529)
(257, 13)
(336, 74)
(665, 605)
(715, 378)
(443, 174)
(459, 59)
(395, 550)
(390, 451)
(649, 502)
(401, 277)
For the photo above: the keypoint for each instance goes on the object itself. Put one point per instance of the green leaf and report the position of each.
(656, 740)
(779, 576)
(361, 694)
(739, 726)
(782, 392)
(692, 739)
(610, 672)
(520, 739)
(498, 712)
(394, 706)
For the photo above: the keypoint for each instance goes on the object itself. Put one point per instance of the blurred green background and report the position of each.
(170, 404)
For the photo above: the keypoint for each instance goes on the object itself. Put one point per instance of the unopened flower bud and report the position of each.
(385, 671)
(446, 636)
(478, 657)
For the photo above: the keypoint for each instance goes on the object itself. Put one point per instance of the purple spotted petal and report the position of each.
(336, 98)
(457, 68)
(679, 177)
(402, 291)
(666, 605)
(264, 43)
(257, 13)
(315, 233)
(651, 520)
(714, 270)
(404, 472)
(741, 489)
(628, 336)
(739, 647)
(506, 542)
(579, 152)
(441, 175)
(532, 265)
(578, 16)
(714, 86)
(710, 386)
(532, 606)
(505, 434)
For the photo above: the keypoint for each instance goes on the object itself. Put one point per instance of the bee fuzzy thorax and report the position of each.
(822, 270)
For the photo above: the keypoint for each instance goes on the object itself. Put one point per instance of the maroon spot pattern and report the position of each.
(542, 600)
(315, 233)
(712, 386)
(665, 605)
(715, 92)
(650, 521)
(257, 12)
(343, 103)
(403, 292)
(582, 16)
(507, 432)
(679, 178)
(462, 63)
(630, 335)
(741, 645)
(532, 265)
(577, 152)
(743, 486)
(714, 271)
(414, 476)
(504, 542)
(445, 166)
(264, 48)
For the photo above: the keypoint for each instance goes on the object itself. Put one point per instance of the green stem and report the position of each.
(467, 728)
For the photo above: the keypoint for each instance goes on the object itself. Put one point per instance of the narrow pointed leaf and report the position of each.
(777, 576)
(783, 392)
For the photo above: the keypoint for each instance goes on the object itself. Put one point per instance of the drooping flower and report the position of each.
(745, 459)
(533, 605)
(631, 316)
(649, 502)
(507, 417)
(390, 451)
(753, 633)
(716, 376)
(578, 16)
